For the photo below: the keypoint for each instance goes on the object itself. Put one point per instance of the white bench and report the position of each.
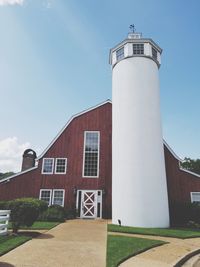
(4, 220)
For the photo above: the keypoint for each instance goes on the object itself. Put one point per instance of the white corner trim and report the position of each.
(69, 121)
(193, 173)
(172, 152)
(17, 174)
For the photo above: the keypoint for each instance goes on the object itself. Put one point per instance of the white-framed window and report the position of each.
(138, 49)
(91, 154)
(45, 194)
(47, 165)
(195, 196)
(53, 196)
(58, 197)
(154, 53)
(120, 53)
(61, 166)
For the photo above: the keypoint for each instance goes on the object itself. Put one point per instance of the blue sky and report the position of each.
(54, 63)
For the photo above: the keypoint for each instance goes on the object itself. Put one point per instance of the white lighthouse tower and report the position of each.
(139, 181)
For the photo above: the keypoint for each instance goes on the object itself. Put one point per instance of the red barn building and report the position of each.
(75, 170)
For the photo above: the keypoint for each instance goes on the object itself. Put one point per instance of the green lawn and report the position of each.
(178, 233)
(8, 243)
(39, 226)
(120, 248)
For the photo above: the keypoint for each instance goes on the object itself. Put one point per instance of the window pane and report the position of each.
(91, 154)
(195, 196)
(138, 49)
(47, 166)
(46, 196)
(154, 53)
(120, 53)
(61, 165)
(58, 197)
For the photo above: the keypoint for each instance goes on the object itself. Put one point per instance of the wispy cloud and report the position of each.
(11, 154)
(11, 2)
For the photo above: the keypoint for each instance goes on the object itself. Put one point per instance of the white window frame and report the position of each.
(43, 166)
(56, 166)
(52, 195)
(138, 49)
(191, 196)
(41, 190)
(120, 57)
(63, 201)
(83, 168)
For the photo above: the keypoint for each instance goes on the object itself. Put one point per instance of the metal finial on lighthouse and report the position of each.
(132, 28)
(133, 34)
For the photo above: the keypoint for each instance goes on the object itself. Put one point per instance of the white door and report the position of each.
(89, 204)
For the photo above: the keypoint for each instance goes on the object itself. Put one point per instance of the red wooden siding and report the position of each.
(70, 145)
(180, 183)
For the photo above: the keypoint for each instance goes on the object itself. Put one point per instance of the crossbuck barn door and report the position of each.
(89, 204)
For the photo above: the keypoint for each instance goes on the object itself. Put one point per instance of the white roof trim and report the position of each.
(17, 174)
(179, 159)
(173, 153)
(193, 173)
(69, 121)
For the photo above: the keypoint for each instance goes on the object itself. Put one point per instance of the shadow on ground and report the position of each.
(36, 235)
(4, 264)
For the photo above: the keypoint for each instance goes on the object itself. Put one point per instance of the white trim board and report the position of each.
(172, 152)
(17, 174)
(193, 173)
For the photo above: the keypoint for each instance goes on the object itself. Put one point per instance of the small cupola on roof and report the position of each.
(135, 46)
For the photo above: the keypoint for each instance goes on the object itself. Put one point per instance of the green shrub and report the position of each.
(54, 213)
(25, 211)
(4, 205)
(183, 213)
(71, 213)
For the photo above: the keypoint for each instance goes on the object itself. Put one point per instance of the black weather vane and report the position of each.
(132, 28)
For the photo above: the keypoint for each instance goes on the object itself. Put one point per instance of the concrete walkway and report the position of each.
(71, 244)
(163, 256)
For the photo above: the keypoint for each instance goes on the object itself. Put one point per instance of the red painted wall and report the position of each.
(180, 183)
(70, 145)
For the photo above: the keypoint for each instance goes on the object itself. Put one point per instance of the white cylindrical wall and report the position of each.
(139, 189)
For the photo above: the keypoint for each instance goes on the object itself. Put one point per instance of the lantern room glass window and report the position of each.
(138, 49)
(47, 167)
(154, 53)
(61, 166)
(120, 53)
(91, 154)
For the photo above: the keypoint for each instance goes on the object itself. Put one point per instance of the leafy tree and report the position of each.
(191, 165)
